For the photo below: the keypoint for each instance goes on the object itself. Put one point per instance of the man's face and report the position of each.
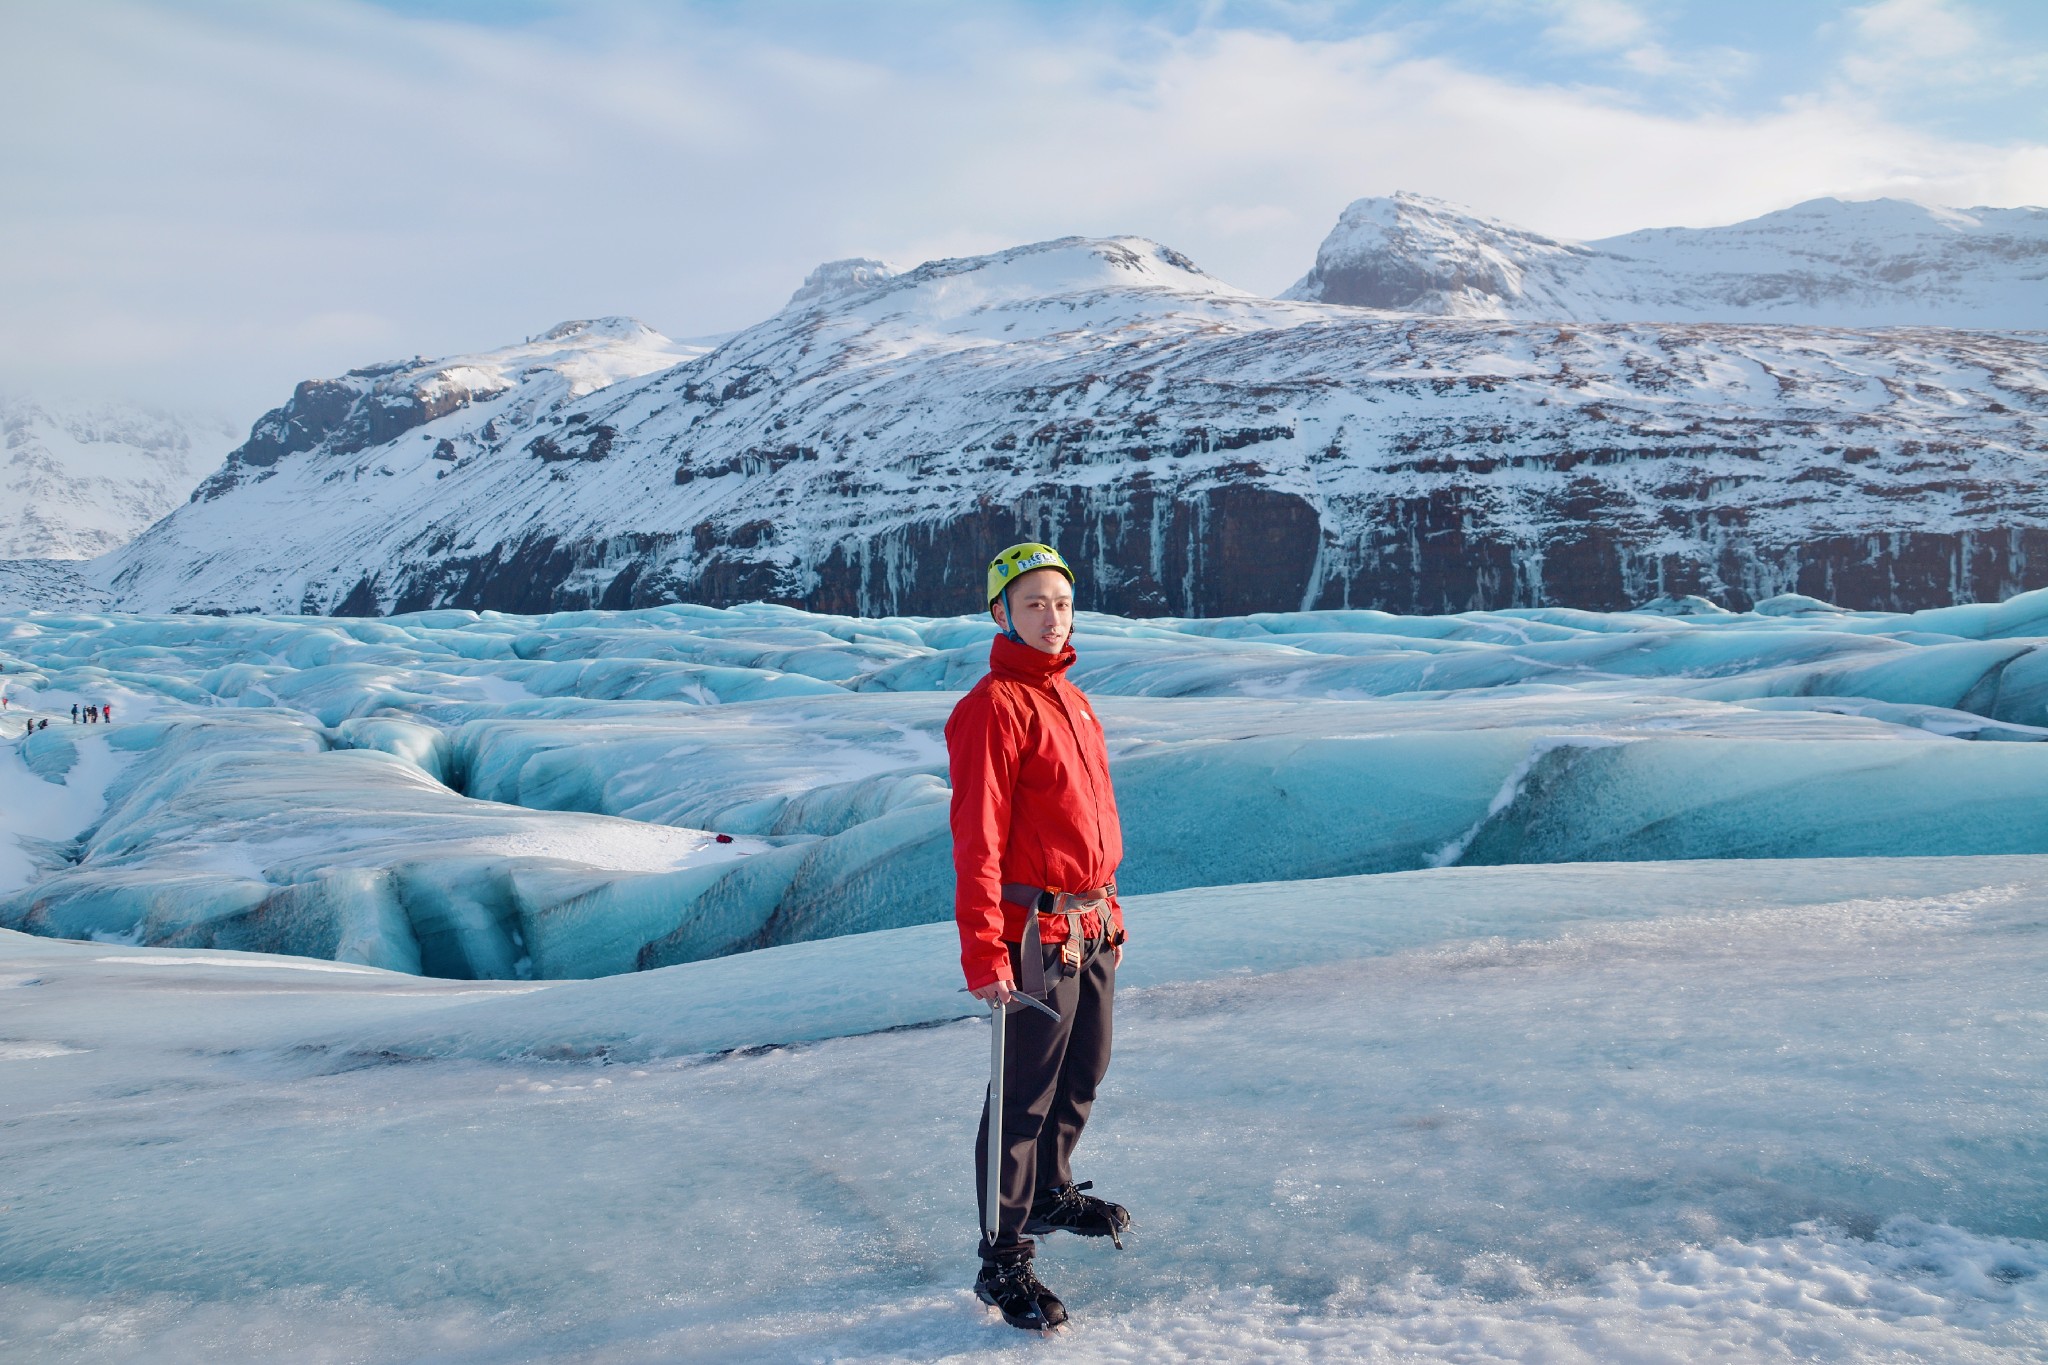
(1044, 603)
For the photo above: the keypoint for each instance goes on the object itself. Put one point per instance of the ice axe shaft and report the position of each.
(992, 1204)
(998, 1031)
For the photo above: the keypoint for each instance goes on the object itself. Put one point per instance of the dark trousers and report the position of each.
(1050, 1072)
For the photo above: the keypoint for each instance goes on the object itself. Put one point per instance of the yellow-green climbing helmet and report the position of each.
(1007, 567)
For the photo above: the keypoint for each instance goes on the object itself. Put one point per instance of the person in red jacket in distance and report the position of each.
(1036, 844)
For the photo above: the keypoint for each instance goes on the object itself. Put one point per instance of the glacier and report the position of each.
(1765, 1109)
(1532, 984)
(488, 796)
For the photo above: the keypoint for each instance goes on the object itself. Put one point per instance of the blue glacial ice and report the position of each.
(480, 795)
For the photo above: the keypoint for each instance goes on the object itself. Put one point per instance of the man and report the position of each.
(1036, 845)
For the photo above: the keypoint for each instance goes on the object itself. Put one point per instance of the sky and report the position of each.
(208, 201)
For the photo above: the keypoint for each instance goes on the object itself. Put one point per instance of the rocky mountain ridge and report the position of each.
(1196, 449)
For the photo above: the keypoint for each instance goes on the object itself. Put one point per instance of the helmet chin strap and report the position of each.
(1009, 620)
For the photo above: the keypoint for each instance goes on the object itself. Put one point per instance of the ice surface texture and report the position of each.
(1602, 1112)
(496, 796)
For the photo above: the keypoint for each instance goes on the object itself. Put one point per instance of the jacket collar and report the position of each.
(1009, 659)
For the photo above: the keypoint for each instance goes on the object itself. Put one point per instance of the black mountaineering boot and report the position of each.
(1063, 1208)
(1014, 1291)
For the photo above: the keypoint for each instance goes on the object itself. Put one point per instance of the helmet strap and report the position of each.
(1009, 621)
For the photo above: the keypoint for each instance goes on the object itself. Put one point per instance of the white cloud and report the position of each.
(1901, 37)
(1906, 45)
(1624, 36)
(225, 200)
(1596, 25)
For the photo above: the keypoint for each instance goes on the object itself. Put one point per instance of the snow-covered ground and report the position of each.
(1654, 1111)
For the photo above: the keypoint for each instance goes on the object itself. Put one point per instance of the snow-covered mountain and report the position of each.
(379, 404)
(1199, 449)
(1879, 263)
(50, 585)
(82, 478)
(347, 458)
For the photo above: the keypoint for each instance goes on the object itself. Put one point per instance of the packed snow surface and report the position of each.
(491, 796)
(1594, 1112)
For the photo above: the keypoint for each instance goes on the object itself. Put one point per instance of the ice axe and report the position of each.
(999, 1015)
(1019, 998)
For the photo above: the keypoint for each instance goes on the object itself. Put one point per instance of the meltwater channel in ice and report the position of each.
(478, 795)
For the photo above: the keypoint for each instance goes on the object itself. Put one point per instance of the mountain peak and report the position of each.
(1064, 267)
(1410, 253)
(1880, 262)
(616, 328)
(836, 280)
(1066, 264)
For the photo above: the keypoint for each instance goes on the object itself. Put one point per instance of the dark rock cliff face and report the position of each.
(1401, 285)
(1238, 549)
(1222, 551)
(368, 407)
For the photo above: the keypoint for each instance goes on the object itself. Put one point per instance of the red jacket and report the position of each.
(1032, 803)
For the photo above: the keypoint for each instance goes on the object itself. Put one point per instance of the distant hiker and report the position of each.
(1036, 845)
(43, 724)
(107, 711)
(74, 713)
